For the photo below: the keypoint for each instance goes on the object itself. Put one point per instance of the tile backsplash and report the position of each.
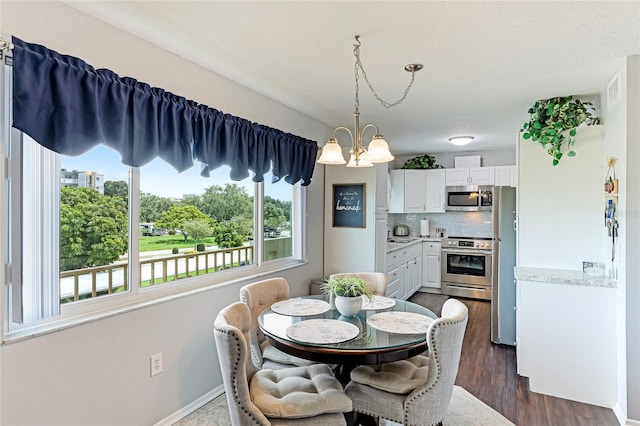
(461, 224)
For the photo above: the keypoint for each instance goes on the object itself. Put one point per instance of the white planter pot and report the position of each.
(348, 306)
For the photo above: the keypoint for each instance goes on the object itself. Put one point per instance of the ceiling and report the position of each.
(485, 63)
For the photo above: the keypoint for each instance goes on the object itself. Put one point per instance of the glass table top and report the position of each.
(368, 337)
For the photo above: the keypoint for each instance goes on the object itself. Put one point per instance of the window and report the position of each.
(87, 233)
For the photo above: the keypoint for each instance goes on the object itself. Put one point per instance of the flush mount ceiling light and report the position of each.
(378, 151)
(461, 140)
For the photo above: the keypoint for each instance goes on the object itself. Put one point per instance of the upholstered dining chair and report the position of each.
(416, 391)
(377, 280)
(308, 396)
(259, 296)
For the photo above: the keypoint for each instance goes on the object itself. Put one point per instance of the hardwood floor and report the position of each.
(488, 371)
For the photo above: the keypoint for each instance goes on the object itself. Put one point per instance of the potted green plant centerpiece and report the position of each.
(348, 291)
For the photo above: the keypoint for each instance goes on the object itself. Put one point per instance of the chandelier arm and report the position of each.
(366, 127)
(346, 129)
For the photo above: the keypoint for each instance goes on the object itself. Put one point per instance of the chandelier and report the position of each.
(378, 149)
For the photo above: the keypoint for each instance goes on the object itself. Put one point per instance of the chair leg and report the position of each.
(359, 419)
(365, 420)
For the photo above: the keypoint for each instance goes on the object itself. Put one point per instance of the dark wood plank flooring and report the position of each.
(488, 371)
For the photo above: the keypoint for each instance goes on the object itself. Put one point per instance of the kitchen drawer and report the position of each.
(393, 288)
(431, 246)
(393, 275)
(394, 258)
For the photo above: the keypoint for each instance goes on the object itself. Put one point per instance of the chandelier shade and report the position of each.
(378, 151)
(332, 153)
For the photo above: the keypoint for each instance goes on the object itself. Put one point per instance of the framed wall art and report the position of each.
(349, 205)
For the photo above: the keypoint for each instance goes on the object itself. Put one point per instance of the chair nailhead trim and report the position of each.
(235, 385)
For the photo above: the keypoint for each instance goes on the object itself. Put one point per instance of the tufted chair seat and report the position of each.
(396, 377)
(259, 296)
(308, 396)
(424, 399)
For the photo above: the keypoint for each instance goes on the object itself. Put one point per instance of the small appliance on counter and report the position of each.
(401, 231)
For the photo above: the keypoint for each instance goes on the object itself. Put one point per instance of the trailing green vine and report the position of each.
(550, 119)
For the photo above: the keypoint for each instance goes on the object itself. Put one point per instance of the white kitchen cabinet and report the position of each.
(431, 271)
(506, 176)
(393, 281)
(417, 191)
(469, 176)
(408, 191)
(404, 271)
(436, 191)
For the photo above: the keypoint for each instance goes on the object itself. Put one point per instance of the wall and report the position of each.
(631, 296)
(615, 145)
(98, 373)
(561, 207)
(349, 249)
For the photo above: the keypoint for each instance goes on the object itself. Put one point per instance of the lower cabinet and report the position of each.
(431, 269)
(404, 271)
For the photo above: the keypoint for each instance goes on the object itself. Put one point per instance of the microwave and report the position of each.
(469, 198)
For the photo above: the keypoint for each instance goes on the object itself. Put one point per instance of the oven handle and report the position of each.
(444, 250)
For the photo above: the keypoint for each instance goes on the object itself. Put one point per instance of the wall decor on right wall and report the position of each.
(551, 119)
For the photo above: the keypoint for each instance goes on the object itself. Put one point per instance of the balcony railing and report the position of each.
(92, 282)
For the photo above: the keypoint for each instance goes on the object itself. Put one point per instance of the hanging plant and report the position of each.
(422, 162)
(554, 121)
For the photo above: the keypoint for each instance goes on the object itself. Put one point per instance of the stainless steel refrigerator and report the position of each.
(503, 294)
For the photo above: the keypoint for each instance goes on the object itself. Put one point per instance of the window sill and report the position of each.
(89, 310)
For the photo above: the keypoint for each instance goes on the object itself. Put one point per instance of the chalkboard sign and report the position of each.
(349, 205)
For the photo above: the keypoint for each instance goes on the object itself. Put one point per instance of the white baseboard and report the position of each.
(633, 422)
(190, 408)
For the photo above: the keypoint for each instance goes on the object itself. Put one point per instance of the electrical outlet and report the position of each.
(156, 364)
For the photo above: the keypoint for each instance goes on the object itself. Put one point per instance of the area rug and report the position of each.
(464, 410)
(433, 302)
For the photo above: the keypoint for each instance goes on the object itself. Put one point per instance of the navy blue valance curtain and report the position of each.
(70, 107)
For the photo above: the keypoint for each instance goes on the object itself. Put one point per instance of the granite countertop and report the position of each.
(563, 276)
(396, 243)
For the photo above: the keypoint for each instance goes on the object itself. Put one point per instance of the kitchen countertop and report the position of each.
(396, 243)
(563, 276)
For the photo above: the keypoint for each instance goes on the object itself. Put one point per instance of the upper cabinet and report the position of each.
(506, 176)
(436, 196)
(469, 176)
(417, 191)
(408, 191)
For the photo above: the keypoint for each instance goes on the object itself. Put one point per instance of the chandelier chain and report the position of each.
(358, 65)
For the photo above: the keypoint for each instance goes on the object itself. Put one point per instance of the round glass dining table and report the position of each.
(372, 345)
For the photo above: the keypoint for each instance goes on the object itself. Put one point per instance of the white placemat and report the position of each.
(400, 322)
(322, 331)
(377, 302)
(300, 307)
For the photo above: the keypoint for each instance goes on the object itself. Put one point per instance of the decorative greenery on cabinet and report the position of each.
(550, 119)
(422, 162)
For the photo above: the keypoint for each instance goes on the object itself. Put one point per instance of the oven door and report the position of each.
(466, 267)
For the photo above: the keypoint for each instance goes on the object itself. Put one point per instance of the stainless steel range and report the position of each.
(467, 267)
